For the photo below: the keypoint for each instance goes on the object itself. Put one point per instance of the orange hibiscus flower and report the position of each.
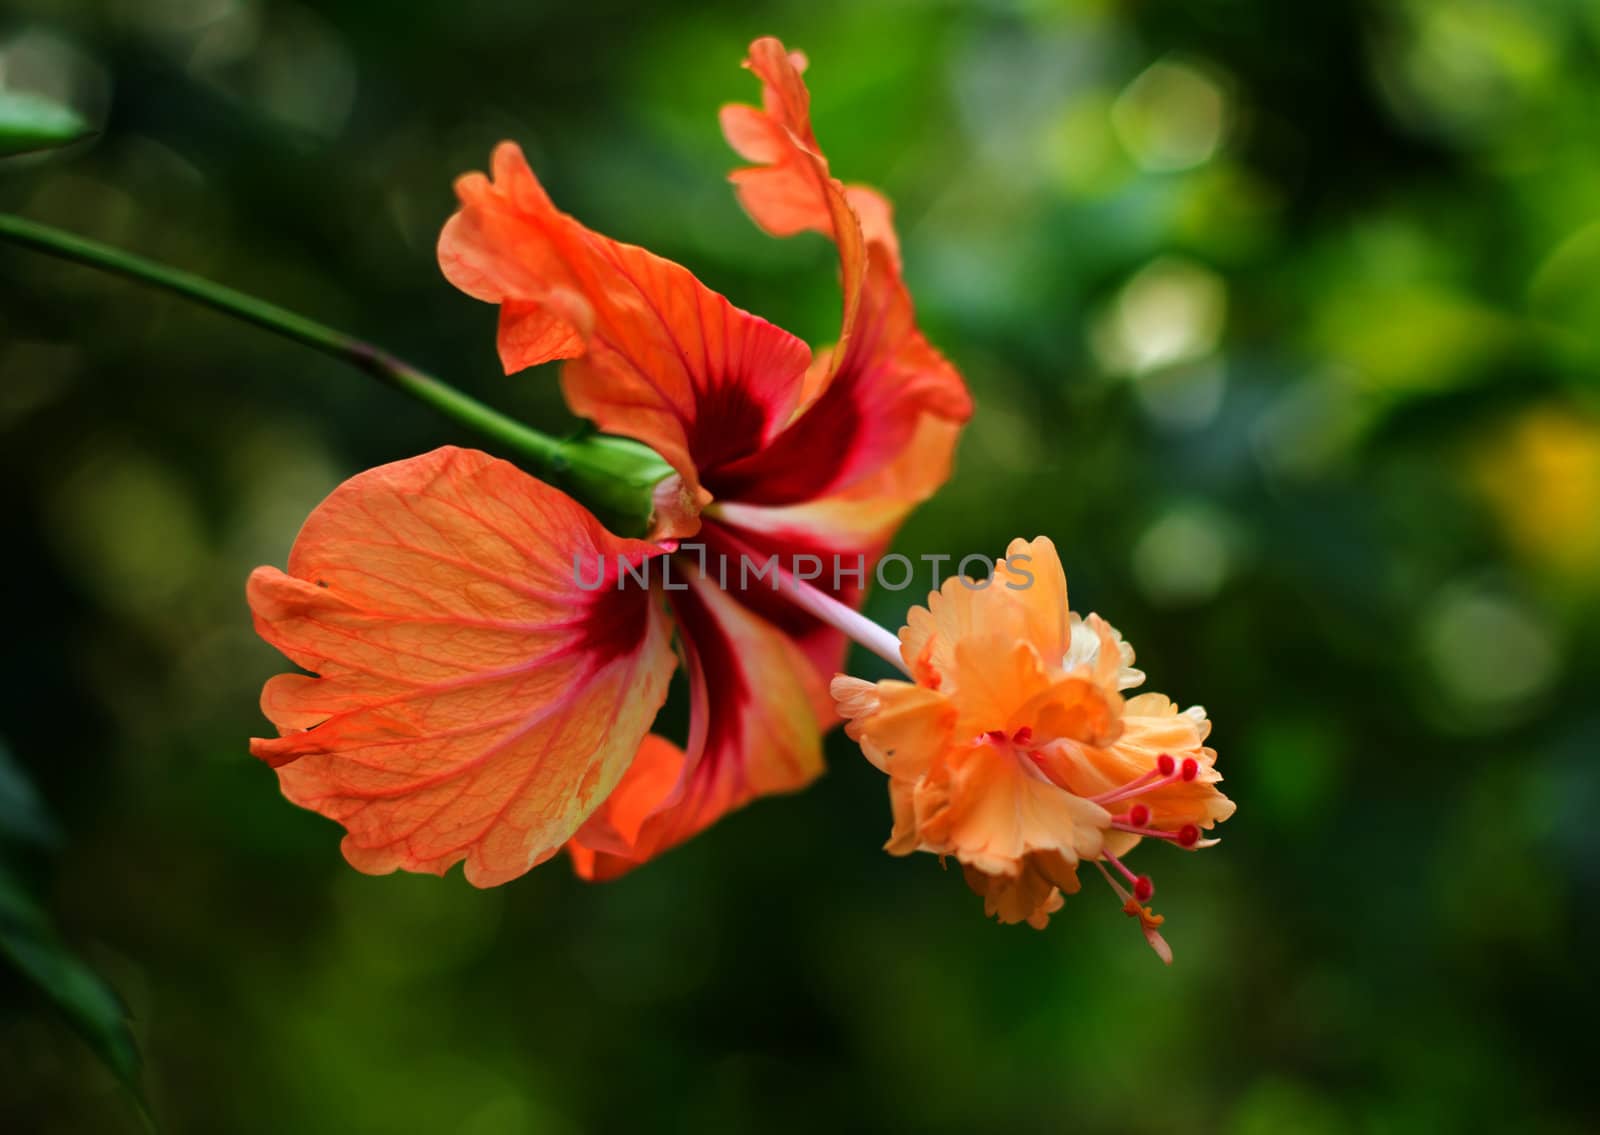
(1014, 750)
(474, 695)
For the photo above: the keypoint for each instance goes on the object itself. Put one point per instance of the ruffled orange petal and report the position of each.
(655, 355)
(470, 701)
(753, 732)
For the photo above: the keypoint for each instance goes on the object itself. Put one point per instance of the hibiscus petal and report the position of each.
(1032, 895)
(472, 699)
(604, 846)
(753, 731)
(900, 726)
(746, 558)
(655, 354)
(883, 377)
(1031, 574)
(848, 530)
(989, 812)
(1153, 725)
(889, 385)
(790, 190)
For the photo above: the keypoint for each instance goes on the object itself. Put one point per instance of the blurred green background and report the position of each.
(1283, 320)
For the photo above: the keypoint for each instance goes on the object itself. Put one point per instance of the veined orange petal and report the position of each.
(791, 191)
(856, 521)
(839, 540)
(655, 354)
(753, 732)
(849, 529)
(891, 391)
(471, 700)
(882, 378)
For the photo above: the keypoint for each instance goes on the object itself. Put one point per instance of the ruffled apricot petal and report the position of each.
(470, 701)
(1025, 601)
(899, 726)
(655, 354)
(753, 732)
(1073, 707)
(985, 808)
(1030, 895)
(1153, 725)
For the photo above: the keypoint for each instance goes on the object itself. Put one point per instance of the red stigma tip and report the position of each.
(1022, 736)
(997, 736)
(1143, 888)
(1165, 764)
(1188, 835)
(1191, 768)
(1138, 815)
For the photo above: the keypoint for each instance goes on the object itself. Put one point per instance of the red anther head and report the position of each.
(1165, 764)
(1022, 736)
(1143, 888)
(998, 736)
(1191, 768)
(1138, 815)
(1188, 835)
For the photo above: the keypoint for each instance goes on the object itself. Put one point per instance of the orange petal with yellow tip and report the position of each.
(470, 701)
(606, 845)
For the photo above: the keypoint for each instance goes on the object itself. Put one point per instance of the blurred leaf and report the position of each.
(29, 940)
(24, 819)
(29, 122)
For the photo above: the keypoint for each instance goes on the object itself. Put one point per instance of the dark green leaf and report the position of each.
(28, 938)
(31, 943)
(30, 122)
(23, 817)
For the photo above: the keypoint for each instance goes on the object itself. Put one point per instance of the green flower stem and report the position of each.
(613, 475)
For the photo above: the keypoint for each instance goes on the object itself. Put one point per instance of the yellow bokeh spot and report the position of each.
(1542, 479)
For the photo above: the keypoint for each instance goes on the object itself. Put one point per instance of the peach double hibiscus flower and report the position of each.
(1014, 751)
(486, 659)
